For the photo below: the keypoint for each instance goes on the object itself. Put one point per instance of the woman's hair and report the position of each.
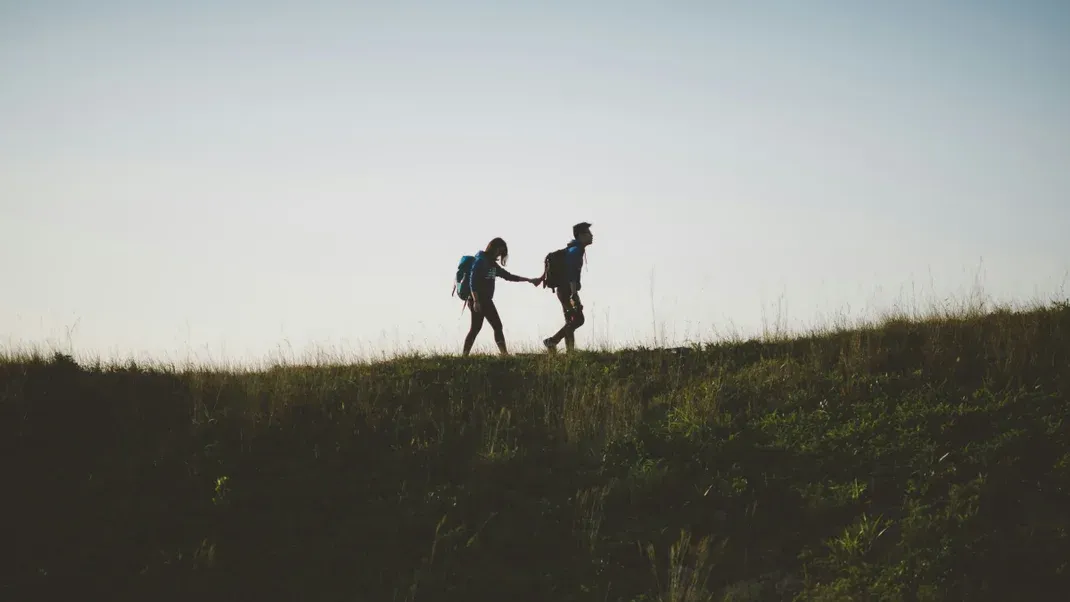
(498, 243)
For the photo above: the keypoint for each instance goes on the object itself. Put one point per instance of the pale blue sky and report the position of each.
(225, 178)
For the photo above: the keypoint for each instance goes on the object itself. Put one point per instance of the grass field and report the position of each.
(924, 459)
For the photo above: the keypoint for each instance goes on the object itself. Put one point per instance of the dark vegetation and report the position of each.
(917, 460)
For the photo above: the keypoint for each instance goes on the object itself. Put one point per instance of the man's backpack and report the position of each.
(462, 287)
(554, 272)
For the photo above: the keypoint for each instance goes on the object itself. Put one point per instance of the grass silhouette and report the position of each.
(918, 458)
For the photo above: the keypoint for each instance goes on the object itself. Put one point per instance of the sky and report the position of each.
(239, 181)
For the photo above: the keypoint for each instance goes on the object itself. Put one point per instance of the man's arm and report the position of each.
(574, 262)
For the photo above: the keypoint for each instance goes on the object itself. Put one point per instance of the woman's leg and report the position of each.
(473, 330)
(491, 312)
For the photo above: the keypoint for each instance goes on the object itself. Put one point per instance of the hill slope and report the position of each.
(917, 461)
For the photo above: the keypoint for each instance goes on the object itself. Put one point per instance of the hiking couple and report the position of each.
(477, 274)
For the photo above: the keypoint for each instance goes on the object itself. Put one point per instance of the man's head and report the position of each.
(582, 233)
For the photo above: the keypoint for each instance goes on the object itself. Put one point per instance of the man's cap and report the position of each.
(582, 226)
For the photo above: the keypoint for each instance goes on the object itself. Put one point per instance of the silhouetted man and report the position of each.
(568, 292)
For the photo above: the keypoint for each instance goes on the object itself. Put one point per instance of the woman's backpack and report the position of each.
(462, 286)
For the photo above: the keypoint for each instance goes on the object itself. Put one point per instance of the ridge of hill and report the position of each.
(913, 460)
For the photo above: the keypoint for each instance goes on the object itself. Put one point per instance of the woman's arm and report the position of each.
(506, 275)
(479, 271)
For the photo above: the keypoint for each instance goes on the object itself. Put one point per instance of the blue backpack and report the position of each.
(461, 286)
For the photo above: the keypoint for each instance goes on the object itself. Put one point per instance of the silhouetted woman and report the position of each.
(482, 277)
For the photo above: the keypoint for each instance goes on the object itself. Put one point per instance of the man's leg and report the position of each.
(573, 320)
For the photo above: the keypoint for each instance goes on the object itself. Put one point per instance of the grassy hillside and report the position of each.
(914, 461)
